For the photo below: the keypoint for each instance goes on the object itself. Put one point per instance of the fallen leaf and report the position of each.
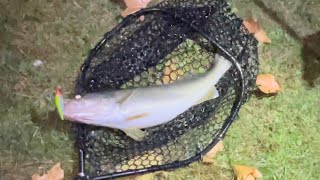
(252, 25)
(254, 28)
(208, 158)
(149, 176)
(262, 37)
(42, 103)
(136, 3)
(246, 172)
(129, 11)
(267, 83)
(134, 6)
(145, 177)
(161, 175)
(55, 173)
(21, 85)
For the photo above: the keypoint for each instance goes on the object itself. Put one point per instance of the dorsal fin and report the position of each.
(125, 96)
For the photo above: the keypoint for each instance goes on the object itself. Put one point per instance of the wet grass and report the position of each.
(279, 135)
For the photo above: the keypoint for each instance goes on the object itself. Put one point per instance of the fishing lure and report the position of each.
(59, 102)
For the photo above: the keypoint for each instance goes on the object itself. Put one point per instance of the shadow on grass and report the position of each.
(310, 50)
(119, 3)
(311, 57)
(260, 95)
(53, 122)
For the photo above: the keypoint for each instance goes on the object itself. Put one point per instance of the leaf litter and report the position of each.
(208, 158)
(255, 28)
(134, 6)
(267, 83)
(246, 173)
(55, 173)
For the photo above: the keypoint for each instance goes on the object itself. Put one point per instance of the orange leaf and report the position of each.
(129, 11)
(21, 85)
(134, 6)
(136, 3)
(246, 172)
(254, 28)
(267, 83)
(208, 158)
(262, 37)
(252, 25)
(55, 173)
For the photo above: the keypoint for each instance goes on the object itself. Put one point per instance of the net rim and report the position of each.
(219, 135)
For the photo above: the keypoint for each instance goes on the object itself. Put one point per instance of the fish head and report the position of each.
(90, 110)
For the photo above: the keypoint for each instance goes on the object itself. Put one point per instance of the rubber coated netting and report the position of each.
(174, 38)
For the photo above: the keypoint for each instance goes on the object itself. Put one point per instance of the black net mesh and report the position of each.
(159, 50)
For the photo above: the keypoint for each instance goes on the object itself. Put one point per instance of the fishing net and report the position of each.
(156, 46)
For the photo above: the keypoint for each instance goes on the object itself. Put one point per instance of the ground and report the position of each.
(279, 135)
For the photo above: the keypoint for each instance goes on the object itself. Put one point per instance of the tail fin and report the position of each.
(221, 66)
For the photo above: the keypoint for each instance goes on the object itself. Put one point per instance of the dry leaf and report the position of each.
(55, 173)
(262, 37)
(136, 3)
(208, 158)
(148, 176)
(129, 11)
(145, 177)
(267, 83)
(252, 25)
(161, 175)
(134, 6)
(246, 172)
(21, 85)
(254, 28)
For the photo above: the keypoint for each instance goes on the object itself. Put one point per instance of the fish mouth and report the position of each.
(77, 119)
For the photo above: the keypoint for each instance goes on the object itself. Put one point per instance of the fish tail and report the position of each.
(222, 65)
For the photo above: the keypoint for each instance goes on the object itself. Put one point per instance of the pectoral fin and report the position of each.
(213, 93)
(135, 134)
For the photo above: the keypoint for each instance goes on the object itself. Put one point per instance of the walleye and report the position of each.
(133, 109)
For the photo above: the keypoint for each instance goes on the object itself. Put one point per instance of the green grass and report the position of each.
(60, 34)
(278, 135)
